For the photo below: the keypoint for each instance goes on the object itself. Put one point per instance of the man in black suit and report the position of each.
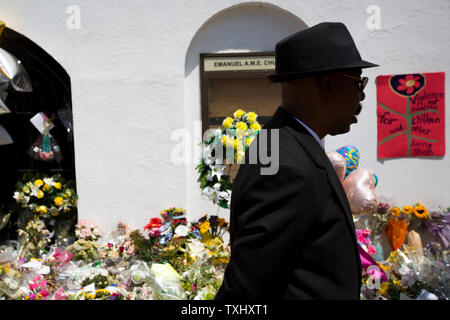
(292, 234)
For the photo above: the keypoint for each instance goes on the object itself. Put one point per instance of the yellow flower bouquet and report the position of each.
(45, 196)
(224, 147)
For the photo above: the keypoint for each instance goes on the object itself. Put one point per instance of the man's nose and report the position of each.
(362, 96)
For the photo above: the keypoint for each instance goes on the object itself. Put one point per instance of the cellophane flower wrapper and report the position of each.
(45, 148)
(14, 284)
(396, 232)
(165, 282)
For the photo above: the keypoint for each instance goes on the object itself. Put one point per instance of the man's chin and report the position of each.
(340, 131)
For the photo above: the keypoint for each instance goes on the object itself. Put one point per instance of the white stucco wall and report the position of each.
(135, 79)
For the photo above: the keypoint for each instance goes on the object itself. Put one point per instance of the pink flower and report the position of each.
(366, 232)
(44, 293)
(372, 250)
(33, 286)
(110, 245)
(59, 295)
(361, 239)
(61, 257)
(39, 282)
(154, 232)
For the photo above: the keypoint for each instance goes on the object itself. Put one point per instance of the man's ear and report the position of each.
(327, 85)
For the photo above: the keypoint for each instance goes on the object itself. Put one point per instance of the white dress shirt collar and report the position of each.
(311, 132)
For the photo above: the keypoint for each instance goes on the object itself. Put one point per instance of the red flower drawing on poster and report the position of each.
(411, 115)
(410, 83)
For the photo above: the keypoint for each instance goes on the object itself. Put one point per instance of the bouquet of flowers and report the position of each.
(33, 238)
(121, 247)
(201, 281)
(365, 242)
(377, 221)
(87, 230)
(439, 225)
(38, 288)
(84, 250)
(45, 196)
(225, 146)
(211, 227)
(411, 274)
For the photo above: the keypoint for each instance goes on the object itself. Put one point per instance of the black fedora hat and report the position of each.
(327, 46)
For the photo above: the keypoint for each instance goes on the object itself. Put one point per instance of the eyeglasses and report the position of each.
(362, 82)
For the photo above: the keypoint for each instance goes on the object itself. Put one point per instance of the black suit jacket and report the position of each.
(292, 234)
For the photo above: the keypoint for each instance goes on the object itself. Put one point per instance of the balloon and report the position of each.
(339, 163)
(360, 191)
(375, 179)
(12, 72)
(351, 156)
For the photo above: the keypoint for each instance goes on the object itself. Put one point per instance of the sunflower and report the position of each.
(420, 212)
(407, 209)
(394, 211)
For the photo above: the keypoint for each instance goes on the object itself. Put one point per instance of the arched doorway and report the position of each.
(247, 28)
(52, 95)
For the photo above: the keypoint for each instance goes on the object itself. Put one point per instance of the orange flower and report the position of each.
(394, 211)
(420, 212)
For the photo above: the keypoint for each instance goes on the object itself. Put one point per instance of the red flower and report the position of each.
(409, 83)
(154, 223)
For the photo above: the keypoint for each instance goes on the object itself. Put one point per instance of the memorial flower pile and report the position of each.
(169, 258)
(413, 276)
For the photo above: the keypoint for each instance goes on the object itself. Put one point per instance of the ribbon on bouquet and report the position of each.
(166, 230)
(367, 261)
